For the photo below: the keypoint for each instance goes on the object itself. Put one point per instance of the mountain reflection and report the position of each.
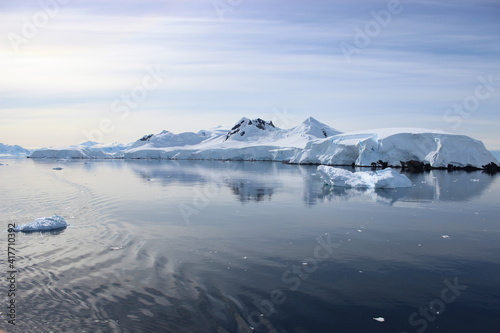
(259, 181)
(246, 191)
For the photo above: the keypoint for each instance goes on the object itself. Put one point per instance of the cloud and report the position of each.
(263, 55)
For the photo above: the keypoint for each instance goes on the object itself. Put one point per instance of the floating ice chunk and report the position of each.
(445, 236)
(44, 224)
(379, 319)
(387, 178)
(57, 168)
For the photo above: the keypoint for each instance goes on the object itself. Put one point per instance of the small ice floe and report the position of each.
(54, 222)
(116, 248)
(379, 319)
(445, 236)
(474, 180)
(57, 168)
(387, 178)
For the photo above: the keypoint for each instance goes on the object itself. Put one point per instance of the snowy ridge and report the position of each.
(248, 139)
(312, 129)
(311, 142)
(168, 139)
(13, 151)
(248, 130)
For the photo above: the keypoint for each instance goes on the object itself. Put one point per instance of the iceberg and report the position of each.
(44, 224)
(386, 178)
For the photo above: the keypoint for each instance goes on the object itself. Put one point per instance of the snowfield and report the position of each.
(311, 142)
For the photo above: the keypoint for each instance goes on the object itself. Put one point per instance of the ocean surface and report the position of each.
(210, 246)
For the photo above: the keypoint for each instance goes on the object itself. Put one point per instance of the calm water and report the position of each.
(205, 246)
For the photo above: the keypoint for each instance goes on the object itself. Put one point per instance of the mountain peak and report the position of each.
(246, 128)
(313, 128)
(89, 144)
(311, 120)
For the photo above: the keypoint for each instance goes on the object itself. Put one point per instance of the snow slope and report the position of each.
(247, 130)
(9, 151)
(312, 129)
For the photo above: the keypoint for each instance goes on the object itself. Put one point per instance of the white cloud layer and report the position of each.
(410, 71)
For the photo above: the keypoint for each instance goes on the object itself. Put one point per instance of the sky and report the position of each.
(112, 71)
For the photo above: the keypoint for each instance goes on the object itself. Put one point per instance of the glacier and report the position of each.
(311, 142)
(393, 145)
(54, 222)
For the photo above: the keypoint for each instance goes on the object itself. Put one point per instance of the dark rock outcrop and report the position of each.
(491, 168)
(415, 166)
(146, 137)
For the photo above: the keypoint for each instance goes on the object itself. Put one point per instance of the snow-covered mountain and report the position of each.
(312, 129)
(13, 151)
(168, 139)
(248, 130)
(248, 139)
(252, 130)
(309, 142)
